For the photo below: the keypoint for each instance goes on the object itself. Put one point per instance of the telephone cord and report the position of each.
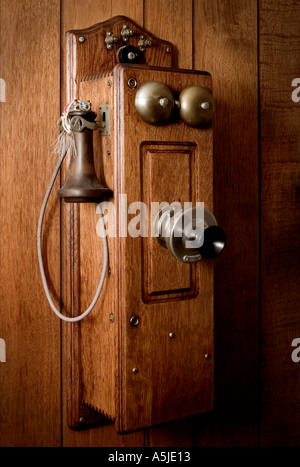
(40, 258)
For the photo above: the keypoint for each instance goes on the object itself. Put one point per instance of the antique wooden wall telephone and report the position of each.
(142, 128)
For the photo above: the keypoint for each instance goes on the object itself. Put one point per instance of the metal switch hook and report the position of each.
(188, 235)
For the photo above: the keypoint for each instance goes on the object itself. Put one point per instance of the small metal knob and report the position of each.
(126, 33)
(110, 40)
(134, 321)
(128, 54)
(196, 106)
(154, 102)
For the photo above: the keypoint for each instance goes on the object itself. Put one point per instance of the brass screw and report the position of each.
(132, 83)
(135, 370)
(82, 420)
(172, 335)
(134, 321)
(207, 356)
(168, 50)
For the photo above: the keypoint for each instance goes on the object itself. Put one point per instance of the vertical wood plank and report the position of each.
(172, 21)
(78, 15)
(280, 200)
(225, 39)
(30, 389)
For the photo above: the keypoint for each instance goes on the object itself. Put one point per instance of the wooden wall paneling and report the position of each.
(78, 15)
(225, 44)
(280, 213)
(30, 390)
(172, 21)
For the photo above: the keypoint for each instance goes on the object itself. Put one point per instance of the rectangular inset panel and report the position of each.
(168, 176)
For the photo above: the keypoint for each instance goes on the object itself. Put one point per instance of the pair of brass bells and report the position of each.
(156, 104)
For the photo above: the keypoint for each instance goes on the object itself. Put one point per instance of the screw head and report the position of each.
(81, 39)
(109, 83)
(207, 356)
(111, 318)
(171, 335)
(135, 370)
(132, 83)
(82, 420)
(168, 50)
(134, 321)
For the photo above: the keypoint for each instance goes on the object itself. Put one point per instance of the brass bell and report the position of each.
(196, 106)
(82, 185)
(154, 102)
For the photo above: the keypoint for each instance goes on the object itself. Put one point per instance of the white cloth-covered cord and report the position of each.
(39, 248)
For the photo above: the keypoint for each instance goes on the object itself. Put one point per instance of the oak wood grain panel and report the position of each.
(225, 44)
(78, 15)
(30, 401)
(168, 176)
(173, 21)
(161, 391)
(280, 214)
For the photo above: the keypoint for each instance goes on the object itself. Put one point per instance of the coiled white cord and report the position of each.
(39, 248)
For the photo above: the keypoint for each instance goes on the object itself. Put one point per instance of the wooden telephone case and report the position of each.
(145, 355)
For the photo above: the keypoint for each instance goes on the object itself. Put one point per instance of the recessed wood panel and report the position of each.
(168, 176)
